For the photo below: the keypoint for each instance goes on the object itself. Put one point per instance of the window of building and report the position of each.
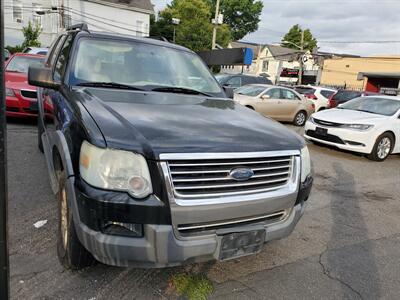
(265, 65)
(17, 11)
(37, 19)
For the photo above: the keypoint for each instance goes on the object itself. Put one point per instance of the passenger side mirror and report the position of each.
(42, 77)
(228, 91)
(265, 97)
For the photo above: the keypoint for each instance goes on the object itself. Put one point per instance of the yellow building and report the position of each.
(369, 73)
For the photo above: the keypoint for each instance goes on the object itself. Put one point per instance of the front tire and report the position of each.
(300, 118)
(382, 148)
(70, 251)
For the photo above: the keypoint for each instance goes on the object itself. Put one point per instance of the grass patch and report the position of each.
(193, 287)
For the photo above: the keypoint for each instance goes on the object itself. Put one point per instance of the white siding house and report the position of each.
(272, 60)
(119, 16)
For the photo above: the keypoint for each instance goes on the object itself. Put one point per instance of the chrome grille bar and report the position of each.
(194, 177)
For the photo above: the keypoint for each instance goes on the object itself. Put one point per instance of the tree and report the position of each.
(31, 35)
(242, 16)
(195, 28)
(294, 37)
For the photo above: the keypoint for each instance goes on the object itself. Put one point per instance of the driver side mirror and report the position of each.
(42, 77)
(265, 97)
(228, 91)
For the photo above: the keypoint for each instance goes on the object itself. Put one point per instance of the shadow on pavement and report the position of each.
(354, 266)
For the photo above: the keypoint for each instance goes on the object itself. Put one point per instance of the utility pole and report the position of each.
(301, 59)
(62, 17)
(4, 264)
(214, 36)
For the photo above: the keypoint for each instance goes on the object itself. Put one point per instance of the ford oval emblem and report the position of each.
(241, 174)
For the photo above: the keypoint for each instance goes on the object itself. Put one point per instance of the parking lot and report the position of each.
(346, 245)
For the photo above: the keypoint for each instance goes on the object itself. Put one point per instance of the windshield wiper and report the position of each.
(179, 90)
(114, 85)
(367, 111)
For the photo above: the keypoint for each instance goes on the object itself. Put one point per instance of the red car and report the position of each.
(21, 98)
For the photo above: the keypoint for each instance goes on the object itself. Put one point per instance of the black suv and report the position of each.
(152, 165)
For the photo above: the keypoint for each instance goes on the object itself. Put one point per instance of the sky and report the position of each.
(334, 20)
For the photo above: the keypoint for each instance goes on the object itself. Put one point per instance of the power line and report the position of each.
(358, 42)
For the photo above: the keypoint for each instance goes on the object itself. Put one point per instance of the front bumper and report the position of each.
(19, 106)
(351, 140)
(160, 246)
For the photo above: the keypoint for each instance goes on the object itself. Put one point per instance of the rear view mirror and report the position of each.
(265, 97)
(228, 91)
(42, 77)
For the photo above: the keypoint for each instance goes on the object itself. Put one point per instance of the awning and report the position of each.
(361, 75)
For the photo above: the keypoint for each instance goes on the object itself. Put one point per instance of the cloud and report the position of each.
(331, 20)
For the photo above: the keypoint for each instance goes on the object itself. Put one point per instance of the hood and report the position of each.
(347, 116)
(152, 123)
(18, 81)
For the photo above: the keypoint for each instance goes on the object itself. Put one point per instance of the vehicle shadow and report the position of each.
(349, 258)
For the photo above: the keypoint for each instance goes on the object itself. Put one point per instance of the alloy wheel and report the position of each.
(383, 148)
(64, 218)
(300, 118)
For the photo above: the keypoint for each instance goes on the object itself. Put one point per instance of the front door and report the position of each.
(269, 103)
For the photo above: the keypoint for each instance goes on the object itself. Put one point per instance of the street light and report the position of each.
(175, 22)
(301, 48)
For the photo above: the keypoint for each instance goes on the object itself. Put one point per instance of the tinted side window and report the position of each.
(235, 81)
(288, 95)
(248, 80)
(54, 51)
(62, 60)
(274, 93)
(263, 80)
(326, 93)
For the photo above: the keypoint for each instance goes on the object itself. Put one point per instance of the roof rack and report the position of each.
(79, 26)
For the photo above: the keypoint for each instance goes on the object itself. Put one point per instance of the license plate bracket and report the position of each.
(237, 244)
(321, 131)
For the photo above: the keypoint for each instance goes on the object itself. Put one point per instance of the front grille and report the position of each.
(328, 137)
(210, 177)
(28, 94)
(326, 123)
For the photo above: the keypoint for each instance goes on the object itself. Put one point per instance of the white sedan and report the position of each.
(369, 125)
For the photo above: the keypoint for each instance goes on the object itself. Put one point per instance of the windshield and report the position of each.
(21, 64)
(250, 90)
(141, 65)
(380, 106)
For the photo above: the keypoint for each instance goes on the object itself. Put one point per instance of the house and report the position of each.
(372, 73)
(118, 16)
(279, 64)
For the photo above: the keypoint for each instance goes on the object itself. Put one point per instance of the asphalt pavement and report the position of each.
(346, 246)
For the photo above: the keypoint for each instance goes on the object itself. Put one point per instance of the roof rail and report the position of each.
(79, 26)
(159, 38)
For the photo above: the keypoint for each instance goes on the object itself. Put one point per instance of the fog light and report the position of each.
(123, 229)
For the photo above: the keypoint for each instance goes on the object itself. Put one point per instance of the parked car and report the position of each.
(342, 96)
(319, 95)
(276, 102)
(21, 98)
(36, 50)
(151, 164)
(237, 80)
(369, 125)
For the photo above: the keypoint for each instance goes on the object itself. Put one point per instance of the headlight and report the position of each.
(10, 92)
(115, 170)
(305, 163)
(357, 126)
(311, 119)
